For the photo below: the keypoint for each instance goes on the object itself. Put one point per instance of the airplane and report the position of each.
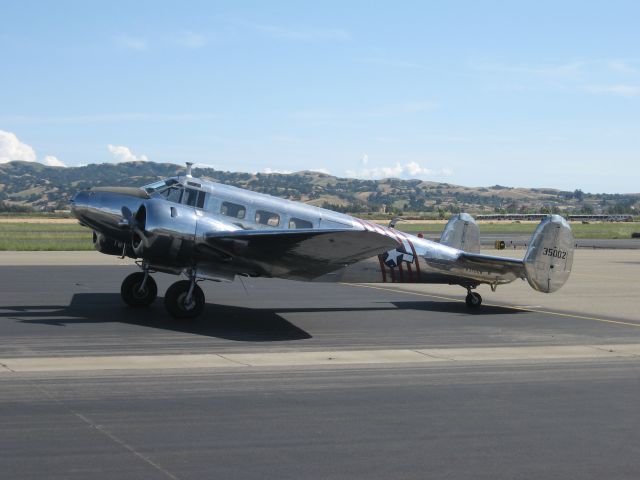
(204, 230)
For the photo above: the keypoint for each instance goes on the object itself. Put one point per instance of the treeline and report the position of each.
(30, 185)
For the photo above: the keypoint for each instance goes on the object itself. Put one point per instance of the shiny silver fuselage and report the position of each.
(176, 234)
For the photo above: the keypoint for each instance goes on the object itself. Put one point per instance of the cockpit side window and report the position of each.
(173, 194)
(190, 197)
(233, 210)
(157, 186)
(201, 199)
(264, 217)
(299, 223)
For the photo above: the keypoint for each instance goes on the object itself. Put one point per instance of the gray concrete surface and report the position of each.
(290, 380)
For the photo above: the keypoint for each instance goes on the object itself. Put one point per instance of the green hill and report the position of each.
(31, 186)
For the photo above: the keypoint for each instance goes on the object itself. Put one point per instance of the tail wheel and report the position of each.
(177, 303)
(138, 293)
(473, 300)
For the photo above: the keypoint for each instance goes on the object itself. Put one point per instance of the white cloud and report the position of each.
(621, 90)
(108, 118)
(52, 161)
(413, 168)
(123, 154)
(271, 170)
(569, 69)
(13, 149)
(303, 34)
(408, 170)
(364, 159)
(132, 43)
(622, 66)
(320, 170)
(192, 40)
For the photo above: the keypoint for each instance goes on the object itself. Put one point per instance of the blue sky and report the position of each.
(535, 94)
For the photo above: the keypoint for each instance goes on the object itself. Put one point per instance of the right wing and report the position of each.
(297, 254)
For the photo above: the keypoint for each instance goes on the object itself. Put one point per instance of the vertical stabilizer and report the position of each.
(462, 232)
(549, 258)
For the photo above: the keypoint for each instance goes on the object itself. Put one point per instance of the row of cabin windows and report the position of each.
(263, 217)
(196, 198)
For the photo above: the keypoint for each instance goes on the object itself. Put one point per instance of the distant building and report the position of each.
(540, 216)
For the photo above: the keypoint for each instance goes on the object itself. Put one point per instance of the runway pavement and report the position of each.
(288, 380)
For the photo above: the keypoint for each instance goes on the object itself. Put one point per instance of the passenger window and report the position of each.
(267, 218)
(299, 223)
(190, 196)
(233, 210)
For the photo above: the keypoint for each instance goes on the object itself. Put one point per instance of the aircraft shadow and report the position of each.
(221, 321)
(455, 307)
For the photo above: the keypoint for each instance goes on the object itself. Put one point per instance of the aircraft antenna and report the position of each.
(189, 166)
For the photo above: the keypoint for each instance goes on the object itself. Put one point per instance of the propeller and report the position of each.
(135, 223)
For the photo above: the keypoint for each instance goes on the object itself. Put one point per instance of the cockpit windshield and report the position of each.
(158, 186)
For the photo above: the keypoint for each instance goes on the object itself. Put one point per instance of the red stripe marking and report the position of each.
(401, 273)
(415, 256)
(410, 272)
(393, 274)
(368, 226)
(377, 227)
(382, 269)
(364, 225)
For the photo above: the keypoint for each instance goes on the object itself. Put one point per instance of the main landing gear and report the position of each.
(184, 299)
(473, 300)
(139, 289)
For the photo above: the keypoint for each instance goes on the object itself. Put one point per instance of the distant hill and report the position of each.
(33, 186)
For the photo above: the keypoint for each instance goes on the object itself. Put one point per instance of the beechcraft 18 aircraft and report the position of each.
(210, 231)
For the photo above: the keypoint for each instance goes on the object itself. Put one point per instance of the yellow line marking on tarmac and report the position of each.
(523, 309)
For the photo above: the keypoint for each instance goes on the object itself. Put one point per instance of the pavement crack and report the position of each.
(7, 367)
(103, 431)
(234, 361)
(124, 444)
(438, 357)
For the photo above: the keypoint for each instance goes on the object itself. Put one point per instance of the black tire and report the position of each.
(473, 300)
(174, 300)
(131, 293)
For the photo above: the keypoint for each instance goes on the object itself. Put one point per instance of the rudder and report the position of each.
(549, 258)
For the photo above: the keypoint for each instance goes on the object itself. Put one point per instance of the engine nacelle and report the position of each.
(106, 245)
(164, 230)
(549, 257)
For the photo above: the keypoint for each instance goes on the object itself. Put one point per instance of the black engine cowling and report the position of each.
(106, 245)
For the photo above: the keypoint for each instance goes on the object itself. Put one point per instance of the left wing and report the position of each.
(298, 254)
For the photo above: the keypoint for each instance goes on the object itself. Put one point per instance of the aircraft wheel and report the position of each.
(175, 300)
(473, 300)
(133, 295)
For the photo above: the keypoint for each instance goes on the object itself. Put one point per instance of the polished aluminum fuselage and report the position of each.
(176, 235)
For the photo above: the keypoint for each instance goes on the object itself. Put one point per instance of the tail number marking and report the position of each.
(552, 252)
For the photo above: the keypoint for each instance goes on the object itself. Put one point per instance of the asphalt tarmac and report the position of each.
(291, 380)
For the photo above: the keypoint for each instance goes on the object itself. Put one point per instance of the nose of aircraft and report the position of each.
(101, 208)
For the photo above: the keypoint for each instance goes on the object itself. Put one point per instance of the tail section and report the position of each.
(549, 258)
(462, 232)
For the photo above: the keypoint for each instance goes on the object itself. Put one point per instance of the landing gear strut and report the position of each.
(473, 300)
(139, 289)
(184, 299)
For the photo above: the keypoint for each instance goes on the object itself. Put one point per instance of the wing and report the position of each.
(297, 254)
